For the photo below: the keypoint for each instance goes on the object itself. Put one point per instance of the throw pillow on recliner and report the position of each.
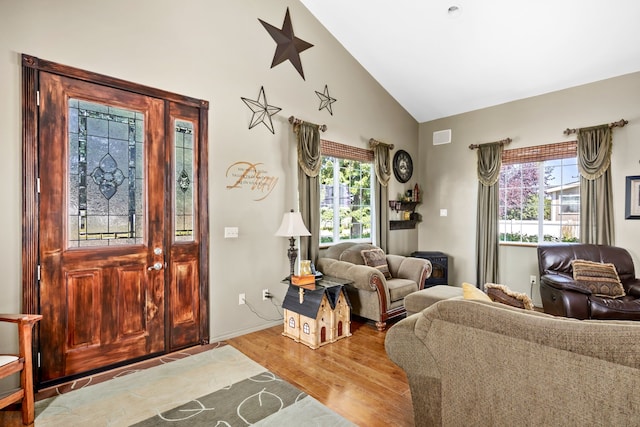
(377, 259)
(598, 277)
(498, 293)
(504, 295)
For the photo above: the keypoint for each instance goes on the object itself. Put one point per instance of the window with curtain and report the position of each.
(347, 182)
(540, 194)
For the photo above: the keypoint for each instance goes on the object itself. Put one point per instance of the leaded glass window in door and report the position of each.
(106, 175)
(183, 182)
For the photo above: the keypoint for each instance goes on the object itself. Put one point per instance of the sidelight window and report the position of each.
(183, 193)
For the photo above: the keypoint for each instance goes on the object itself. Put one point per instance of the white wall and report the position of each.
(217, 51)
(449, 171)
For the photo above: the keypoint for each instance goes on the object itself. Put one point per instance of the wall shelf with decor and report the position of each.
(402, 224)
(405, 213)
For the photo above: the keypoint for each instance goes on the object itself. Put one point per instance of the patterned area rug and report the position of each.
(217, 387)
(99, 377)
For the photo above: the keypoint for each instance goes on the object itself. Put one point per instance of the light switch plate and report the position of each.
(443, 212)
(231, 232)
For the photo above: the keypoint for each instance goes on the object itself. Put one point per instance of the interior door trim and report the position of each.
(31, 66)
(76, 73)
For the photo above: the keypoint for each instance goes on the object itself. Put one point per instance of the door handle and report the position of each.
(156, 266)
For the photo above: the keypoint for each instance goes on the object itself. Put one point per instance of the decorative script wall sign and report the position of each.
(252, 177)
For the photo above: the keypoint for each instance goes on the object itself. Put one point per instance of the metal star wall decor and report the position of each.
(289, 46)
(262, 111)
(325, 100)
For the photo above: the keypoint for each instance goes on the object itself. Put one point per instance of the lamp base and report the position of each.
(292, 253)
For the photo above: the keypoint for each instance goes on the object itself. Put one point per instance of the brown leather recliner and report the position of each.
(561, 296)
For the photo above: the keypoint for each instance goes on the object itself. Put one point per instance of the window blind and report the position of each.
(343, 151)
(540, 153)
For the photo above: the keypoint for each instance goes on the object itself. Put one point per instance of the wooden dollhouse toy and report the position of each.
(316, 317)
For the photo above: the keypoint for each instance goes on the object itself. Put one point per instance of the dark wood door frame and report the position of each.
(31, 66)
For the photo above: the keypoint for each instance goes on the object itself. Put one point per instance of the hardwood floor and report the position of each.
(353, 376)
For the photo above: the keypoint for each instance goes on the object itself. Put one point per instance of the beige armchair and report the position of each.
(373, 296)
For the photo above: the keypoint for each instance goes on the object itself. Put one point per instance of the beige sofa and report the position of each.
(473, 363)
(372, 296)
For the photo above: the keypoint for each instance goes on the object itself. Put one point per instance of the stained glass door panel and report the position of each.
(106, 179)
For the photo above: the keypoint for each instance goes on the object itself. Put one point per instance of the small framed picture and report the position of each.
(632, 205)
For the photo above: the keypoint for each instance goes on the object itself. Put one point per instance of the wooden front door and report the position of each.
(120, 227)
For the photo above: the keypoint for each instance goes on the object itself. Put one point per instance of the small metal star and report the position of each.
(289, 46)
(262, 111)
(325, 100)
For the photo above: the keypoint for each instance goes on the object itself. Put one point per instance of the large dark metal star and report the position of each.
(325, 100)
(289, 46)
(262, 111)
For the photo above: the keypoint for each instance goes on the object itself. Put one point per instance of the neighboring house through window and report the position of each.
(346, 194)
(540, 194)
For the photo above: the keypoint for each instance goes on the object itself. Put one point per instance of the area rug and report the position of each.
(217, 387)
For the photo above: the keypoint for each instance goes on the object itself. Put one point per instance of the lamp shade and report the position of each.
(292, 225)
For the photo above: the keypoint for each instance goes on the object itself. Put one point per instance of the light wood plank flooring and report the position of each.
(353, 376)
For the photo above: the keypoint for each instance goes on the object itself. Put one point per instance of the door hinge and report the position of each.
(38, 272)
(38, 362)
(38, 185)
(38, 98)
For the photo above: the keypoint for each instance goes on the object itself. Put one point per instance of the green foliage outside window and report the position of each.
(345, 200)
(532, 238)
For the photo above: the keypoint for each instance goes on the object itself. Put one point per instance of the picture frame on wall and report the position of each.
(632, 205)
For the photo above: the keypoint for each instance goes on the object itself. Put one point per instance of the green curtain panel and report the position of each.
(382, 158)
(382, 166)
(596, 197)
(487, 233)
(308, 136)
(308, 141)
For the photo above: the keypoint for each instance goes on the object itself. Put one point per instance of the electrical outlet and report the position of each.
(265, 294)
(241, 299)
(532, 279)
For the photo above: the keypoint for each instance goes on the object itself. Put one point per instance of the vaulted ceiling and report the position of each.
(439, 58)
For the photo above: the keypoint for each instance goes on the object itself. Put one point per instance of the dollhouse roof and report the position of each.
(312, 299)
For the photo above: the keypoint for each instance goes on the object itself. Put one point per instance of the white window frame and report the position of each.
(503, 224)
(336, 205)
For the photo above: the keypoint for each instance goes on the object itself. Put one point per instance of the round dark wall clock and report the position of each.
(402, 166)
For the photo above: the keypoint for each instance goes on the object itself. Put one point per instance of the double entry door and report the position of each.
(122, 241)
